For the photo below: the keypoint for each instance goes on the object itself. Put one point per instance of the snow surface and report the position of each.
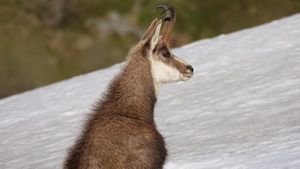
(241, 110)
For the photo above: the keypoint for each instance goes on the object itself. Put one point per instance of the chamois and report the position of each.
(121, 132)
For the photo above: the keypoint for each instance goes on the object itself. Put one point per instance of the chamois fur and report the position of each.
(121, 132)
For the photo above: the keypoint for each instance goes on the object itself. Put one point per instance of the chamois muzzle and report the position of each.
(169, 21)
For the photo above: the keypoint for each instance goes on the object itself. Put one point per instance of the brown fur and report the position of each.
(121, 133)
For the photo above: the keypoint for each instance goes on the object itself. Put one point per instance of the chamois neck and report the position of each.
(132, 92)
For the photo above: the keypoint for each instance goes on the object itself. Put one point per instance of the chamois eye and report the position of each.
(166, 53)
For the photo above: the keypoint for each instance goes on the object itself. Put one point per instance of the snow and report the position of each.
(241, 110)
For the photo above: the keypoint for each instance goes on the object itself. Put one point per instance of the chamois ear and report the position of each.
(155, 37)
(150, 29)
(151, 36)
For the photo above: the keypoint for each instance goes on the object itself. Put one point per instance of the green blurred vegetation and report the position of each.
(43, 41)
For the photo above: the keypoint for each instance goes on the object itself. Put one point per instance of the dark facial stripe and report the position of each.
(182, 67)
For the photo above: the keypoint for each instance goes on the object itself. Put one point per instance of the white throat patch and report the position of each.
(163, 73)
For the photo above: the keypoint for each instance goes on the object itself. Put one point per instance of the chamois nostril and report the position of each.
(190, 67)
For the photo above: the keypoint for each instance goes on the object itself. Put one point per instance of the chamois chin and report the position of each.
(121, 132)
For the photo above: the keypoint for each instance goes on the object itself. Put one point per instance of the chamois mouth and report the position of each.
(185, 77)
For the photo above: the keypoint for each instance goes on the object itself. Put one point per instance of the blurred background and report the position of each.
(44, 41)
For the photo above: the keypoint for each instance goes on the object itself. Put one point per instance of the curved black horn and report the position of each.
(168, 11)
(161, 6)
(169, 20)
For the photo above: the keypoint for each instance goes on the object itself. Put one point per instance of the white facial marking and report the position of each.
(163, 73)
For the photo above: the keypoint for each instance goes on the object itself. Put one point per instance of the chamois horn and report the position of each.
(169, 20)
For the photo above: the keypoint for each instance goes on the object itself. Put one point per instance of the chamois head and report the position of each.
(165, 66)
